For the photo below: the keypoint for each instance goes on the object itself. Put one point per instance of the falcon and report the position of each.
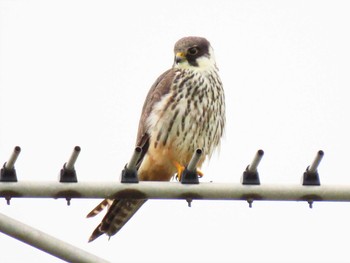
(183, 111)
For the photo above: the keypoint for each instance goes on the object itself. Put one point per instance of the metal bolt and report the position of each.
(250, 202)
(189, 201)
(310, 203)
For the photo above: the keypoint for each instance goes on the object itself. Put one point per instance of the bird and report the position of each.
(184, 110)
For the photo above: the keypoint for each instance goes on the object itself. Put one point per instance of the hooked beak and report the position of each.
(180, 57)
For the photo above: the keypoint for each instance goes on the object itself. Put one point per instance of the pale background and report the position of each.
(77, 72)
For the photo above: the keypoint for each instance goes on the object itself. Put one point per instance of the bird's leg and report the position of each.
(180, 168)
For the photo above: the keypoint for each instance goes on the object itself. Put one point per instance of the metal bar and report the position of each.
(192, 166)
(316, 162)
(10, 164)
(254, 164)
(175, 190)
(134, 158)
(73, 158)
(45, 242)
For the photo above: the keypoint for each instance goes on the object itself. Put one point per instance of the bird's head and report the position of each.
(195, 53)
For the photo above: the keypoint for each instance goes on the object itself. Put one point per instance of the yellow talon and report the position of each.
(180, 168)
(200, 173)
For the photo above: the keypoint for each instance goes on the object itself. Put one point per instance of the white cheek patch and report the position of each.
(204, 63)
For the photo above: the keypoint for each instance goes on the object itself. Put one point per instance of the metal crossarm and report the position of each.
(250, 189)
(175, 190)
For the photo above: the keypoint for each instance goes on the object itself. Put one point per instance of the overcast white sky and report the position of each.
(77, 72)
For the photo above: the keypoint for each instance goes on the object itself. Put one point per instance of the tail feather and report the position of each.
(100, 207)
(97, 232)
(118, 214)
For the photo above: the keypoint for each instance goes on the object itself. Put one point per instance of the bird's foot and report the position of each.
(200, 173)
(180, 168)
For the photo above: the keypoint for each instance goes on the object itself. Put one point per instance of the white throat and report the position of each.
(205, 63)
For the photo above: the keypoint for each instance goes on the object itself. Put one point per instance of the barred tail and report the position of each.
(118, 214)
(97, 232)
(100, 207)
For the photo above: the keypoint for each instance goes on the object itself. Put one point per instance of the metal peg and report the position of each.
(251, 175)
(313, 167)
(8, 172)
(134, 158)
(190, 175)
(129, 173)
(311, 176)
(10, 164)
(68, 173)
(192, 166)
(73, 158)
(253, 167)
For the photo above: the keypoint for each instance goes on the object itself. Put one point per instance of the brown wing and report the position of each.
(160, 88)
(120, 211)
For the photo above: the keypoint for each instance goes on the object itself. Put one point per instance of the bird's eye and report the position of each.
(193, 51)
